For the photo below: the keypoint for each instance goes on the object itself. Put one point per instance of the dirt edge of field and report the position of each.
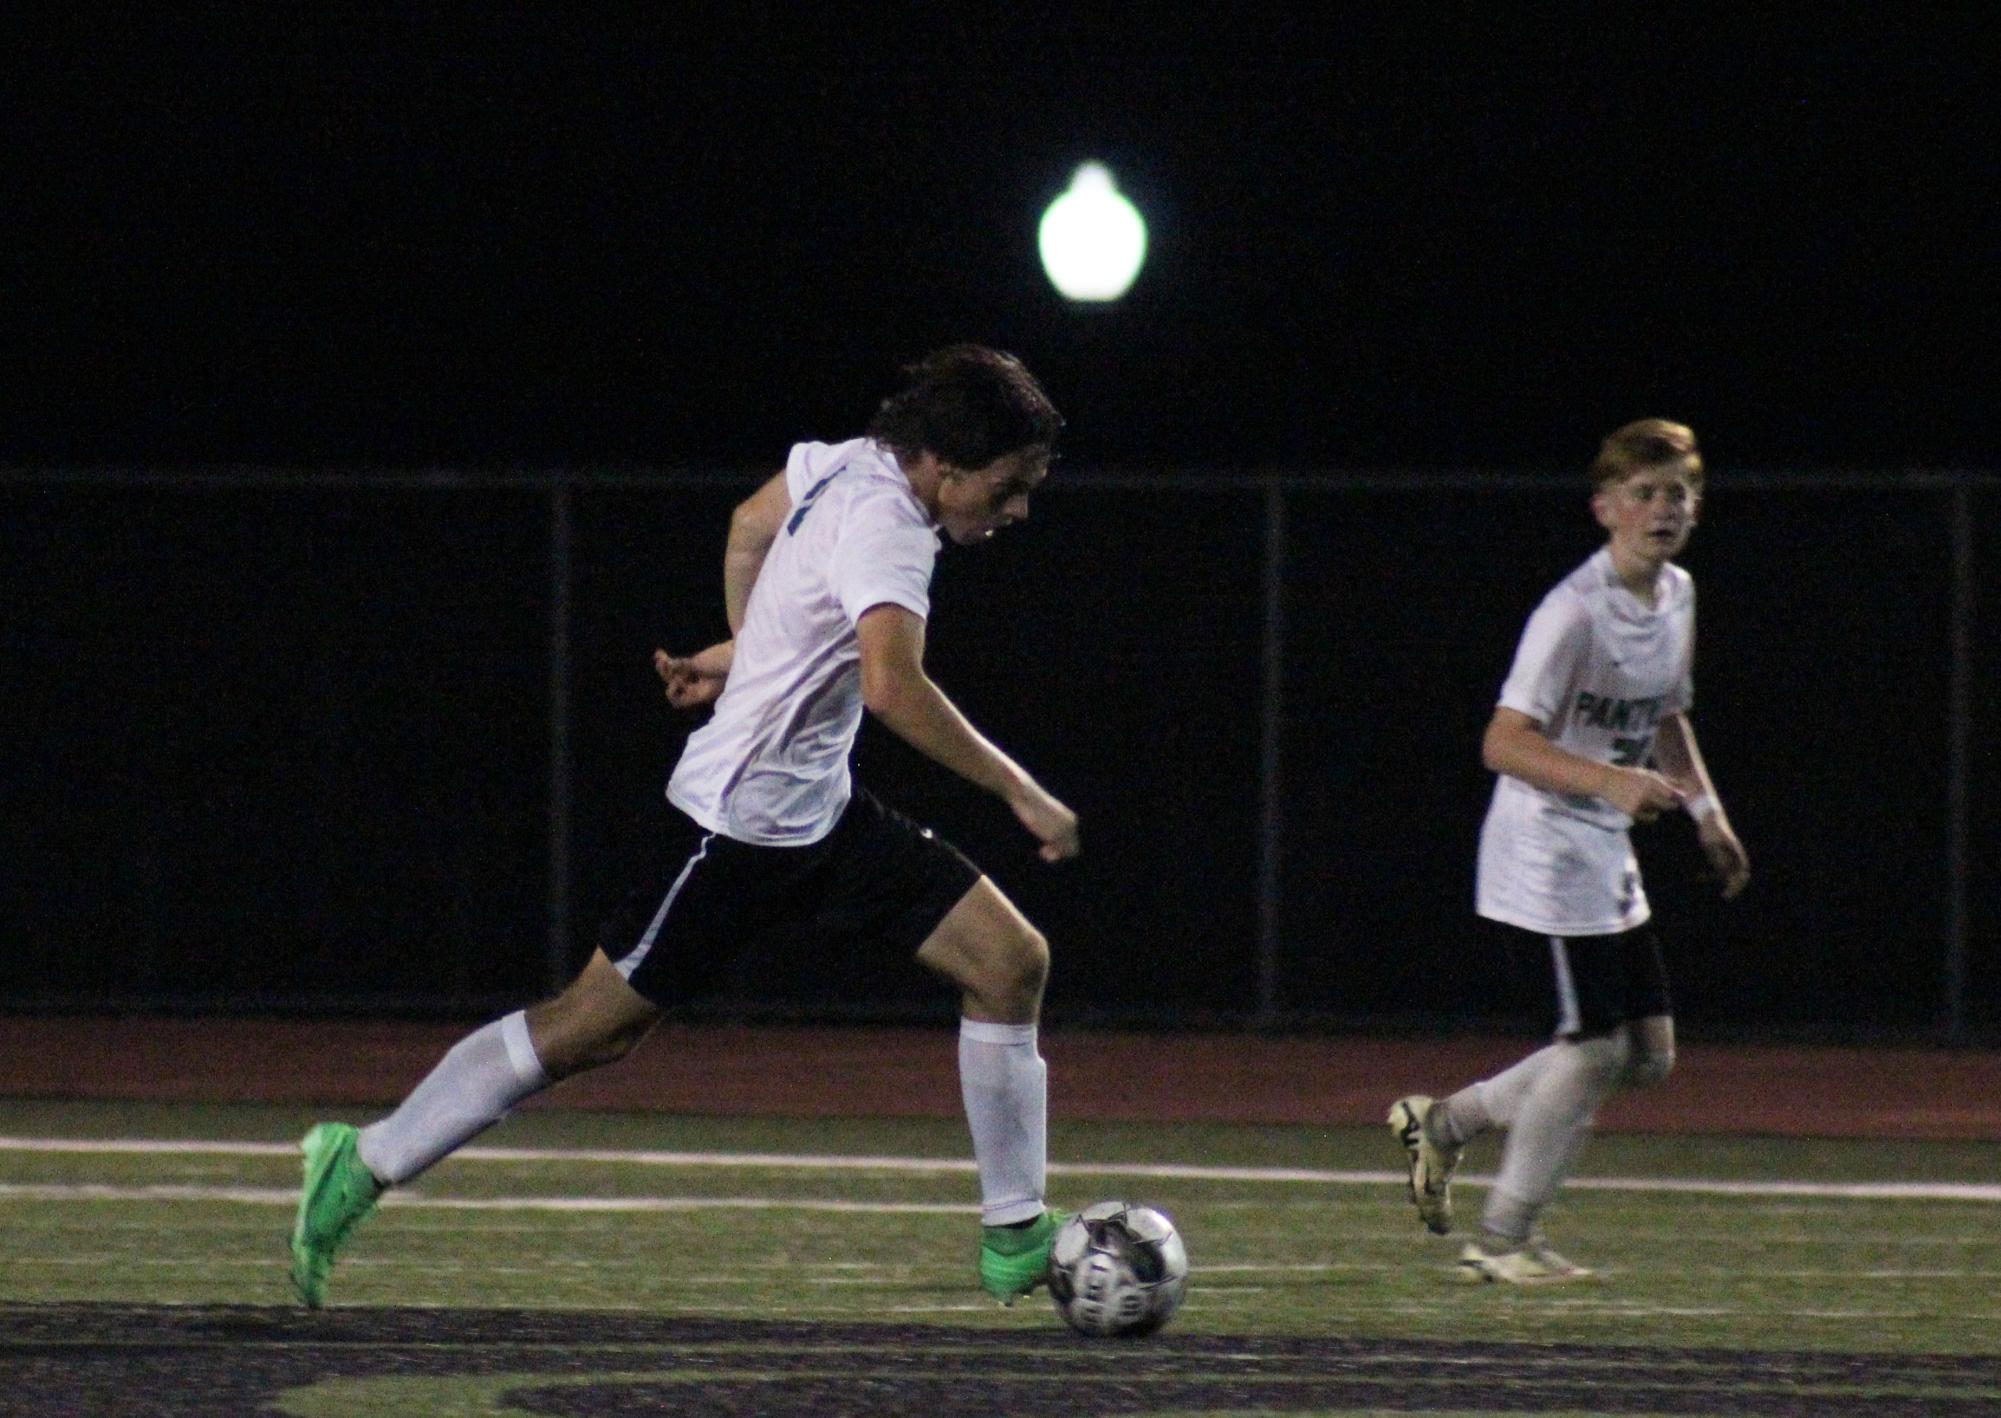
(913, 1072)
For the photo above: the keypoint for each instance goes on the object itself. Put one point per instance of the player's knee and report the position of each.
(1649, 1066)
(1014, 971)
(1028, 964)
(1603, 1057)
(571, 1040)
(600, 1046)
(621, 1040)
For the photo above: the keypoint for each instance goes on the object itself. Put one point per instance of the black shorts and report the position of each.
(1599, 982)
(877, 879)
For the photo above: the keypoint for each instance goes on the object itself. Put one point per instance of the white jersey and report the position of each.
(1599, 670)
(772, 766)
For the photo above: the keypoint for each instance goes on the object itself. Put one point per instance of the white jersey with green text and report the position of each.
(1598, 670)
(772, 766)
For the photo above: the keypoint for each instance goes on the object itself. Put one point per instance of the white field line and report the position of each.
(775, 1161)
(271, 1196)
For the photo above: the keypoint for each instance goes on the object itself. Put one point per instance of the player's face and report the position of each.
(1649, 514)
(975, 503)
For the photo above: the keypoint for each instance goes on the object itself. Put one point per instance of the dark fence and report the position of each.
(375, 742)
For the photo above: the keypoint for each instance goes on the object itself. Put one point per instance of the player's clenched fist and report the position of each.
(695, 680)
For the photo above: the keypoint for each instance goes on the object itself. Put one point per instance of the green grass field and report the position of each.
(848, 1223)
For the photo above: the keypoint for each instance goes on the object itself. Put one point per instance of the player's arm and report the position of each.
(898, 691)
(692, 681)
(753, 528)
(1516, 745)
(1681, 760)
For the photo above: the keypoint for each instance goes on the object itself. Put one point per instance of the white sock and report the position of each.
(1490, 1103)
(1549, 1130)
(1006, 1088)
(471, 1089)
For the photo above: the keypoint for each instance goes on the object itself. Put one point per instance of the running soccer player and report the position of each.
(826, 588)
(1591, 735)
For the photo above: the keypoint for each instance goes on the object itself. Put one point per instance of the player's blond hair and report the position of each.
(1647, 443)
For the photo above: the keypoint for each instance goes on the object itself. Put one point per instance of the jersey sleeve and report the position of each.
(1548, 659)
(882, 559)
(799, 471)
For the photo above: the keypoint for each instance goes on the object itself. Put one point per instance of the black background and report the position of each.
(284, 741)
(588, 234)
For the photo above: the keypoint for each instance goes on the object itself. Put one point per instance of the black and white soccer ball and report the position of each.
(1117, 1268)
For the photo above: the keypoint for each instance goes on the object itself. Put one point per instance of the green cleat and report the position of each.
(1015, 1259)
(339, 1192)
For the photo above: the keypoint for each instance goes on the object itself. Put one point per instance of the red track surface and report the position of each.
(912, 1072)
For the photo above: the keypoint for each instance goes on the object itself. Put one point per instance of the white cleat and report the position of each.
(1431, 1163)
(1531, 1263)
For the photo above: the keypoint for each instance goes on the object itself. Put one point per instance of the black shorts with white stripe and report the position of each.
(877, 881)
(1599, 982)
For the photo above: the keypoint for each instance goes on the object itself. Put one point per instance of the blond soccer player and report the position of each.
(1591, 735)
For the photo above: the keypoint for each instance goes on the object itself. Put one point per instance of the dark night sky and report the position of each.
(600, 235)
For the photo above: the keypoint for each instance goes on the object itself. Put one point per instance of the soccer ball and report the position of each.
(1117, 1268)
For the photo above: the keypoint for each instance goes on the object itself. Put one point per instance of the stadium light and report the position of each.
(1093, 240)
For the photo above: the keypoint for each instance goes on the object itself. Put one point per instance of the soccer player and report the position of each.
(826, 588)
(1591, 735)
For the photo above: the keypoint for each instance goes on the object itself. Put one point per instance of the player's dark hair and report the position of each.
(1646, 443)
(967, 405)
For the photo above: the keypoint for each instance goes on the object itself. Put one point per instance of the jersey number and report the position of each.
(1630, 753)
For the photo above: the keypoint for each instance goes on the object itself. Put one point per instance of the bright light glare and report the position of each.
(1092, 239)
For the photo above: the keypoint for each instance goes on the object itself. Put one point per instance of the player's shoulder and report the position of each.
(1680, 587)
(811, 462)
(1573, 597)
(1590, 581)
(873, 500)
(859, 476)
(875, 470)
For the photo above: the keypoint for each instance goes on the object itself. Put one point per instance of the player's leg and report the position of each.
(1434, 1131)
(1593, 982)
(999, 962)
(598, 1018)
(1648, 1008)
(1489, 1103)
(594, 1021)
(1636, 1054)
(1651, 1056)
(701, 892)
(889, 882)
(1543, 1144)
